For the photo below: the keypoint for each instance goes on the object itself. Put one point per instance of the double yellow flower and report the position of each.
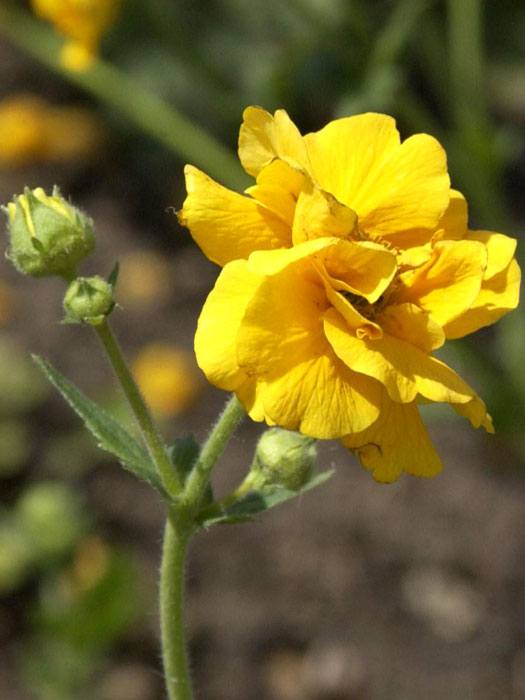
(345, 266)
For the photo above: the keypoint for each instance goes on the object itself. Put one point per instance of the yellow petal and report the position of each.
(476, 412)
(360, 325)
(449, 283)
(278, 187)
(414, 257)
(263, 137)
(409, 322)
(453, 224)
(227, 225)
(364, 268)
(303, 384)
(348, 153)
(271, 262)
(397, 442)
(403, 369)
(319, 214)
(500, 250)
(498, 295)
(219, 322)
(393, 187)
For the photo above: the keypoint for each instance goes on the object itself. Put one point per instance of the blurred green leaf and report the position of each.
(111, 436)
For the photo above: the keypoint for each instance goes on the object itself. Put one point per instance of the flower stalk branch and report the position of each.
(150, 432)
(214, 446)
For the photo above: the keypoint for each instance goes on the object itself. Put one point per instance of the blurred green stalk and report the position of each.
(466, 63)
(144, 109)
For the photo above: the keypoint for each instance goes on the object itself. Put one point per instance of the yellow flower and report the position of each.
(167, 377)
(345, 267)
(82, 22)
(34, 131)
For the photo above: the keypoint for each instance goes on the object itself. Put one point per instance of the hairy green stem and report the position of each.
(150, 432)
(123, 93)
(219, 437)
(174, 654)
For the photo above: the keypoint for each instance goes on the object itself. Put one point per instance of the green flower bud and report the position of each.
(283, 458)
(48, 236)
(51, 517)
(88, 300)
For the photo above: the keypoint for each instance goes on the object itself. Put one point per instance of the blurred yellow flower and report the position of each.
(167, 377)
(144, 279)
(82, 22)
(35, 131)
(345, 267)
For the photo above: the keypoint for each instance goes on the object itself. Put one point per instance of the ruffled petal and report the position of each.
(363, 268)
(227, 225)
(449, 283)
(215, 339)
(402, 368)
(263, 137)
(278, 187)
(409, 322)
(393, 187)
(304, 386)
(500, 250)
(397, 442)
(498, 295)
(319, 214)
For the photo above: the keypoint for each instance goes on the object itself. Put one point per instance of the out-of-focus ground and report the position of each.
(355, 591)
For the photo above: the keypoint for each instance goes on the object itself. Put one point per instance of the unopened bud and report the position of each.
(88, 300)
(48, 236)
(283, 458)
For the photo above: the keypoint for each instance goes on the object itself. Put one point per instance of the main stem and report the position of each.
(174, 653)
(179, 529)
(150, 432)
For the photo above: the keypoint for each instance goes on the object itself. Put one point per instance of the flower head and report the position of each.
(82, 22)
(346, 265)
(35, 131)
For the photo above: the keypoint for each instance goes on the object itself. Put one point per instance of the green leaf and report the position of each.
(113, 275)
(258, 501)
(111, 436)
(183, 454)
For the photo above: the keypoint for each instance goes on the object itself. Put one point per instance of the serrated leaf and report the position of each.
(110, 435)
(258, 501)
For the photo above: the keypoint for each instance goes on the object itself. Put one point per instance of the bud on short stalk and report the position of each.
(283, 458)
(88, 300)
(48, 236)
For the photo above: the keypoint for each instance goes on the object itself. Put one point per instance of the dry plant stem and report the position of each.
(150, 432)
(174, 653)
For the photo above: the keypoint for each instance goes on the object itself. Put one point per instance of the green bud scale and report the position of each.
(88, 300)
(283, 458)
(48, 236)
